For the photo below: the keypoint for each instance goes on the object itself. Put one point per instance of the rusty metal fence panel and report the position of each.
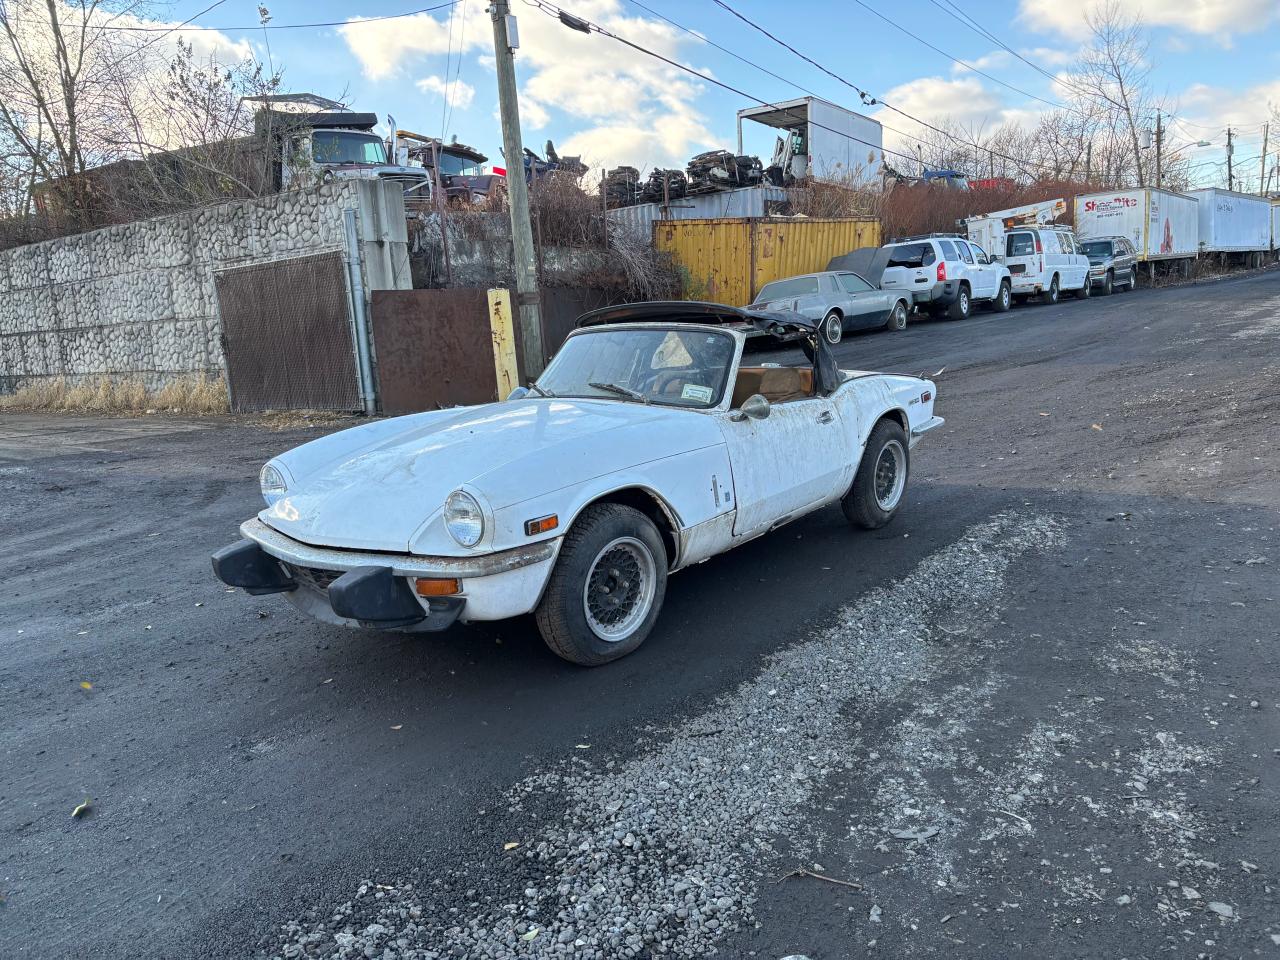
(287, 336)
(434, 348)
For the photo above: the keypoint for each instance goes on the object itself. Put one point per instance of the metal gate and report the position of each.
(287, 335)
(435, 348)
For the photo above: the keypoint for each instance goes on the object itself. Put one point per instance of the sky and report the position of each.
(1216, 62)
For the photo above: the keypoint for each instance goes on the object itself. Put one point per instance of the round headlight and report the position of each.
(273, 485)
(463, 518)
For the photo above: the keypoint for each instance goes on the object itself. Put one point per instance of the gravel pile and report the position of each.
(662, 855)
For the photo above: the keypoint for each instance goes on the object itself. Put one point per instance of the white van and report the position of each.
(1045, 261)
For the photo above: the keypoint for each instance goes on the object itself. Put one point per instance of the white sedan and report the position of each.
(647, 445)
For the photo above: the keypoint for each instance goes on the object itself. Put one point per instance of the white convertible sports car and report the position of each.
(647, 445)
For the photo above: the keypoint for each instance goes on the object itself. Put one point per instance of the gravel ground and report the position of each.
(1037, 713)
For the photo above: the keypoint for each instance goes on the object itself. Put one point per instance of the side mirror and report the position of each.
(755, 407)
(519, 393)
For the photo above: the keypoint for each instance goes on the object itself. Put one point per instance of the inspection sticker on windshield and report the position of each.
(694, 391)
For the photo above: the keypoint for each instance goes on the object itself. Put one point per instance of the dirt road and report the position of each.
(1037, 713)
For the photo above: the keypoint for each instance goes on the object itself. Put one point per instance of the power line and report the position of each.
(765, 70)
(866, 98)
(963, 63)
(273, 26)
(586, 26)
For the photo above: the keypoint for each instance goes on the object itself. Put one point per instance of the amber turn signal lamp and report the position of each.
(541, 525)
(428, 587)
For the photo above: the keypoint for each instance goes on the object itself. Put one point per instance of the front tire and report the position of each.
(1109, 283)
(897, 317)
(881, 481)
(960, 309)
(833, 328)
(606, 590)
(1086, 291)
(1003, 300)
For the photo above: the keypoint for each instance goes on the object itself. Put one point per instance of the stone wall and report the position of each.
(139, 299)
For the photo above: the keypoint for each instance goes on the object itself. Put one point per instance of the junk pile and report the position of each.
(664, 185)
(721, 170)
(708, 172)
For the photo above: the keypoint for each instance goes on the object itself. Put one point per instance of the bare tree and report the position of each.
(1115, 69)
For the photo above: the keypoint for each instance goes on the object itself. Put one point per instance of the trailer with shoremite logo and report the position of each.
(1161, 224)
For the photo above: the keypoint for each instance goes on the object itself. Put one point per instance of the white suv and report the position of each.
(1046, 261)
(946, 273)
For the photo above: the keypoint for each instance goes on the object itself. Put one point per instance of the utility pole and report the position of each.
(1159, 144)
(505, 40)
(1088, 162)
(1262, 174)
(1230, 150)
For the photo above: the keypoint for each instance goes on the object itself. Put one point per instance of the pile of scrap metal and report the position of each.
(621, 186)
(536, 168)
(664, 186)
(722, 170)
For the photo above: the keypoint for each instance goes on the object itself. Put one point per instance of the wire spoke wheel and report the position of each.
(890, 475)
(619, 589)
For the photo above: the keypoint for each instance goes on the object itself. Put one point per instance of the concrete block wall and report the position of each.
(139, 298)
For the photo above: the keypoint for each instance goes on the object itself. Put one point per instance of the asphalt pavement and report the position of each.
(1036, 713)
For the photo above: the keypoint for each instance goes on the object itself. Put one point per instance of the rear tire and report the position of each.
(1053, 293)
(897, 317)
(960, 309)
(1003, 300)
(880, 484)
(605, 592)
(833, 328)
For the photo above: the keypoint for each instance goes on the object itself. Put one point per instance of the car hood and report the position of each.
(375, 488)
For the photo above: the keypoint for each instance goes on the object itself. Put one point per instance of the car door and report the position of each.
(988, 270)
(867, 305)
(1079, 261)
(1021, 258)
(793, 459)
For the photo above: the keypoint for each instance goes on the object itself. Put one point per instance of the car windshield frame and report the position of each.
(1108, 251)
(547, 384)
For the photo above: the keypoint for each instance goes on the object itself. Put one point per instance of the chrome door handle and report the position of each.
(825, 417)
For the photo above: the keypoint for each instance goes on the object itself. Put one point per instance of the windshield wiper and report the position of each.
(542, 391)
(619, 390)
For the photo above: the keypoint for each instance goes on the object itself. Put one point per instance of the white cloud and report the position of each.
(988, 62)
(624, 106)
(458, 92)
(1213, 17)
(386, 47)
(1050, 56)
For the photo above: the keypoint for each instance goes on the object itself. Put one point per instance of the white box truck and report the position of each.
(1161, 224)
(1275, 227)
(1233, 222)
(820, 140)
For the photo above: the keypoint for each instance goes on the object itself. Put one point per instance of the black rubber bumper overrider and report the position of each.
(376, 597)
(245, 564)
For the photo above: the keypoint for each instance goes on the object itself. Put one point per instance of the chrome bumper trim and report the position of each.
(917, 432)
(402, 564)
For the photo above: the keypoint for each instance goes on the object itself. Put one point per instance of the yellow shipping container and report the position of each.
(729, 260)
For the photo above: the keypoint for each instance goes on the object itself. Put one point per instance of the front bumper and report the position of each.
(372, 589)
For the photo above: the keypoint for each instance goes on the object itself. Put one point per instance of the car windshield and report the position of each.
(333, 146)
(684, 367)
(1097, 248)
(781, 289)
